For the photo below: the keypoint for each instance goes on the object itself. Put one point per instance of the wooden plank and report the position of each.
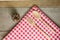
(14, 0)
(41, 3)
(2, 34)
(6, 23)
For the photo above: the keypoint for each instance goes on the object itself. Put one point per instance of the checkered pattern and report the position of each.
(25, 31)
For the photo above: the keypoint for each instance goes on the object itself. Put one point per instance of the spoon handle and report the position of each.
(47, 25)
(33, 24)
(42, 32)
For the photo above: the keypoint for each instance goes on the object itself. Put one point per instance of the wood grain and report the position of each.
(2, 34)
(14, 0)
(41, 3)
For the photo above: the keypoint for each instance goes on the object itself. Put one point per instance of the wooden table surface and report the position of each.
(50, 7)
(29, 3)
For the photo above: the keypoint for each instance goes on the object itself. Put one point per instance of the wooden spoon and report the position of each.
(36, 14)
(33, 23)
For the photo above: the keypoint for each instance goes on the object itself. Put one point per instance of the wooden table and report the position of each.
(50, 7)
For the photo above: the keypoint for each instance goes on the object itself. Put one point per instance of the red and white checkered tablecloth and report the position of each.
(25, 31)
